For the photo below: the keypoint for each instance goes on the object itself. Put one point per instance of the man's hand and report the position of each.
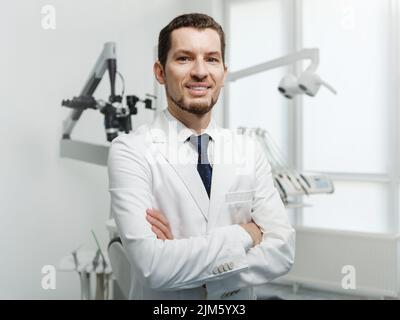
(254, 232)
(159, 224)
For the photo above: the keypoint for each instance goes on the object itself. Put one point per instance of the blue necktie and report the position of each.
(203, 165)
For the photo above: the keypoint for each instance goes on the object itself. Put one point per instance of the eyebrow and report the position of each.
(211, 53)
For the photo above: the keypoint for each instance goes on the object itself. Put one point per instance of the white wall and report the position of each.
(48, 205)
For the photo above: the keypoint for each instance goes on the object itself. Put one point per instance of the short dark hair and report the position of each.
(193, 20)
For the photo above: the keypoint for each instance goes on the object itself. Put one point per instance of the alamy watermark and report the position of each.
(48, 17)
(49, 277)
(349, 280)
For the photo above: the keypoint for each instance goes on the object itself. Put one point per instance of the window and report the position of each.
(352, 127)
(353, 206)
(349, 136)
(257, 33)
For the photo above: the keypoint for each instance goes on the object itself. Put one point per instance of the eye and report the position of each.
(183, 59)
(213, 60)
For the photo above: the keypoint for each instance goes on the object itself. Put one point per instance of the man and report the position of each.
(195, 204)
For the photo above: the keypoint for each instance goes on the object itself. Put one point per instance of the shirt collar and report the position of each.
(184, 132)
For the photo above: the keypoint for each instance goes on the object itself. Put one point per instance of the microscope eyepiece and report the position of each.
(81, 102)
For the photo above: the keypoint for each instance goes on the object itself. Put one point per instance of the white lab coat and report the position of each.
(207, 258)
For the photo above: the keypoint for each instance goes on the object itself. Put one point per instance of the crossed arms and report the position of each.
(164, 263)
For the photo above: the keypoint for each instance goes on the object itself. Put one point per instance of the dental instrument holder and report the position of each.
(102, 279)
(84, 278)
(87, 264)
(288, 181)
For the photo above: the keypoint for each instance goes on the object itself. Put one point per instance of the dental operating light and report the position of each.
(308, 82)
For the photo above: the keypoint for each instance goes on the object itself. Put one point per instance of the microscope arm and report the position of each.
(106, 61)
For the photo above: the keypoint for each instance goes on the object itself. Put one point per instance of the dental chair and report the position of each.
(121, 269)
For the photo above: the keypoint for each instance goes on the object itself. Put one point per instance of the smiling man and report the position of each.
(195, 204)
(193, 76)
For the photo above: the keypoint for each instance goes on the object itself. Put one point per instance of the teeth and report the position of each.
(199, 88)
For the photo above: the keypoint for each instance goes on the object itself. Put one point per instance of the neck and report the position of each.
(196, 122)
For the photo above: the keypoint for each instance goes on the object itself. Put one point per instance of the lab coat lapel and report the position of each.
(189, 175)
(165, 139)
(224, 169)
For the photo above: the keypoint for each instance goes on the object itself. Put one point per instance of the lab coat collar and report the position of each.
(165, 135)
(178, 130)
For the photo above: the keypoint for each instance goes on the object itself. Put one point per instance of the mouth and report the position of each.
(198, 89)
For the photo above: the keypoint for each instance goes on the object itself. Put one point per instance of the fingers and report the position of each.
(157, 215)
(159, 233)
(160, 222)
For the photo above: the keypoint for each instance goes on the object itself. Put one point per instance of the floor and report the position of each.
(286, 292)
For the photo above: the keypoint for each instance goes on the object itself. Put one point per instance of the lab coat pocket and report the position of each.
(241, 196)
(239, 206)
(240, 212)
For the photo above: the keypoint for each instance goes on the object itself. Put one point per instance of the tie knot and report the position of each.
(200, 142)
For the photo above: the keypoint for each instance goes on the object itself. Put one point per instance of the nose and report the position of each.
(199, 70)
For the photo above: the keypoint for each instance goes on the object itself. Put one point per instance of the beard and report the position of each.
(198, 108)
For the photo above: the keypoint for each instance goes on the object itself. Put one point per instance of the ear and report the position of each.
(159, 72)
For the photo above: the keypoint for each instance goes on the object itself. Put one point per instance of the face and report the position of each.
(194, 71)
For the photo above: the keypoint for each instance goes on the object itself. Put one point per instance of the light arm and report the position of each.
(311, 54)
